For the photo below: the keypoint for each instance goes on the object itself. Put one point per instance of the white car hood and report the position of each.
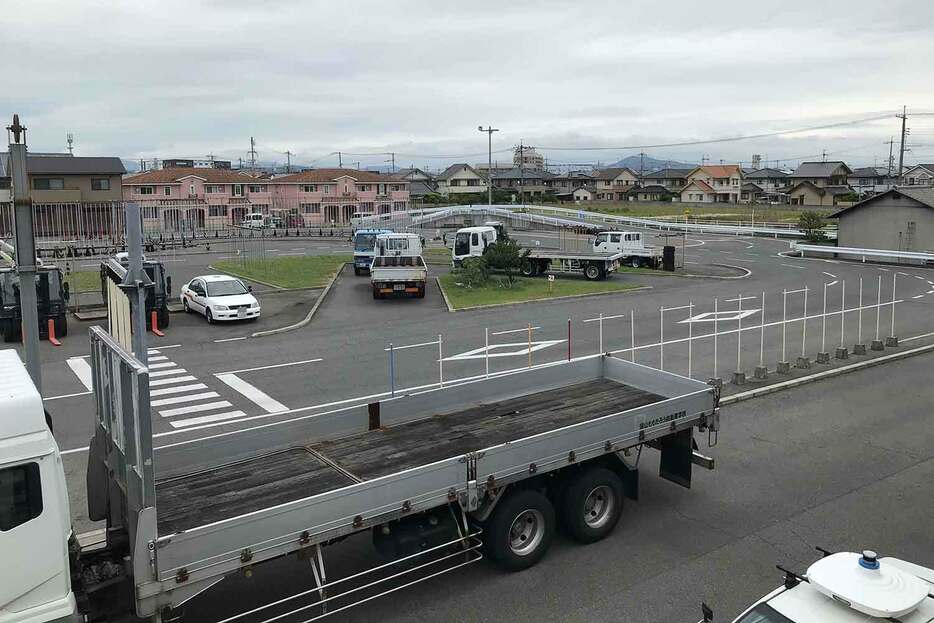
(235, 299)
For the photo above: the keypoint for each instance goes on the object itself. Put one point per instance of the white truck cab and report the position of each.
(473, 241)
(35, 519)
(255, 220)
(398, 244)
(846, 587)
(629, 244)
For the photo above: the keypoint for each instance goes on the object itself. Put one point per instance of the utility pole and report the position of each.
(641, 164)
(489, 172)
(340, 161)
(521, 173)
(891, 157)
(210, 158)
(392, 157)
(252, 154)
(901, 149)
(240, 166)
(823, 155)
(288, 161)
(25, 246)
(142, 165)
(70, 138)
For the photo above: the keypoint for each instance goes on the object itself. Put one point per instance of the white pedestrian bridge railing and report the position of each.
(863, 254)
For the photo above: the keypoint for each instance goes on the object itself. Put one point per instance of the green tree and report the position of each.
(812, 224)
(474, 272)
(505, 255)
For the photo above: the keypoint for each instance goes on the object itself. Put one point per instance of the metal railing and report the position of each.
(862, 253)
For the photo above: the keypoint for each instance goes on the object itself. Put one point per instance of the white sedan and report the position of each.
(219, 297)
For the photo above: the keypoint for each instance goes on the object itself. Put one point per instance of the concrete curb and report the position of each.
(309, 316)
(826, 374)
(444, 295)
(555, 298)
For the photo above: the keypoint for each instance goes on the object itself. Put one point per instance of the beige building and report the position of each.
(919, 175)
(901, 219)
(821, 174)
(527, 158)
(612, 184)
(809, 194)
(461, 178)
(725, 180)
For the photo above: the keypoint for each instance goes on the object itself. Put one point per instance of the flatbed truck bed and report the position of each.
(422, 472)
(312, 468)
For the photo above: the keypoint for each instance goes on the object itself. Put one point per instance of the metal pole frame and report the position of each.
(486, 344)
(894, 276)
(440, 362)
(762, 334)
(859, 315)
(661, 338)
(804, 323)
(739, 334)
(784, 320)
(392, 372)
(716, 324)
(823, 325)
(878, 306)
(842, 312)
(632, 335)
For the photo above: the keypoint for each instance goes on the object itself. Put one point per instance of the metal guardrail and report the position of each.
(862, 253)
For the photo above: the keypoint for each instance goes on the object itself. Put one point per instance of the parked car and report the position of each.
(220, 297)
(254, 220)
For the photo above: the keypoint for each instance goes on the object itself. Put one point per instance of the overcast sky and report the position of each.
(184, 79)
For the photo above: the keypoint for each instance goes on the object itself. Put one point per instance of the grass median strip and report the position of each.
(84, 281)
(525, 289)
(310, 271)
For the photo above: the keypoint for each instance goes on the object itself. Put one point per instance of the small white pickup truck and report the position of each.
(398, 267)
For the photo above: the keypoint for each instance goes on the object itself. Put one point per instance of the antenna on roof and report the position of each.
(70, 138)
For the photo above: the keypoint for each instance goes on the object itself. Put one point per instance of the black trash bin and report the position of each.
(668, 258)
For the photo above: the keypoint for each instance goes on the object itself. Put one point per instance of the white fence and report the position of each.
(816, 249)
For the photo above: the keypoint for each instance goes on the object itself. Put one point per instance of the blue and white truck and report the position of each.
(364, 249)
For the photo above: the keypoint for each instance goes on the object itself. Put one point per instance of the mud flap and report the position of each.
(677, 451)
(98, 488)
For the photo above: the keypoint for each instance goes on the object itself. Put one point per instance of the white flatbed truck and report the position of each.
(398, 267)
(440, 478)
(608, 251)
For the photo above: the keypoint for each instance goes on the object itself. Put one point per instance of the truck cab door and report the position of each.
(600, 243)
(477, 246)
(34, 527)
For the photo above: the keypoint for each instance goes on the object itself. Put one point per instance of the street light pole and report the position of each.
(489, 172)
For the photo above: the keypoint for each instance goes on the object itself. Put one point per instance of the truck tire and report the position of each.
(591, 504)
(592, 272)
(376, 294)
(635, 261)
(528, 268)
(162, 318)
(421, 292)
(61, 326)
(356, 271)
(9, 331)
(519, 531)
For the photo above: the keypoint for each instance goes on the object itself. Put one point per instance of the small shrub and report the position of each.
(474, 272)
(505, 255)
(812, 224)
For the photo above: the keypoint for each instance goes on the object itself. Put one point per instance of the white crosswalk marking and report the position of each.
(163, 364)
(82, 370)
(264, 400)
(194, 408)
(174, 400)
(159, 373)
(158, 358)
(218, 417)
(170, 380)
(177, 390)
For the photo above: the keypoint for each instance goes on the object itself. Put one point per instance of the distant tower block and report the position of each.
(756, 161)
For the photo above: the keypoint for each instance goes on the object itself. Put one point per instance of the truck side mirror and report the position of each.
(67, 290)
(249, 288)
(168, 286)
(706, 612)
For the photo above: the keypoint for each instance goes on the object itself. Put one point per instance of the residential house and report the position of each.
(577, 195)
(698, 191)
(71, 195)
(821, 174)
(672, 179)
(807, 193)
(571, 180)
(752, 193)
(459, 179)
(612, 184)
(525, 184)
(900, 219)
(187, 198)
(332, 196)
(870, 180)
(725, 180)
(919, 175)
(421, 184)
(653, 192)
(769, 181)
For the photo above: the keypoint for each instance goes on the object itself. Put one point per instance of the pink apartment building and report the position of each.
(332, 196)
(180, 198)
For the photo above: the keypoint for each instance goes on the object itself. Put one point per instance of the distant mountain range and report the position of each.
(651, 164)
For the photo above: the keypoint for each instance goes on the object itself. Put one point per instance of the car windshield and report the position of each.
(764, 613)
(364, 242)
(225, 288)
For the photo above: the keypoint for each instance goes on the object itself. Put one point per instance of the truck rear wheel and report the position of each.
(635, 262)
(591, 504)
(593, 272)
(9, 331)
(162, 318)
(520, 530)
(356, 270)
(528, 268)
(61, 326)
(421, 292)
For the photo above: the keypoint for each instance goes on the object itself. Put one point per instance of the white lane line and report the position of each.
(159, 358)
(159, 373)
(161, 347)
(793, 266)
(174, 400)
(885, 270)
(68, 395)
(831, 275)
(169, 381)
(264, 400)
(82, 370)
(833, 283)
(919, 277)
(920, 296)
(278, 365)
(230, 339)
(916, 337)
(177, 390)
(289, 253)
(230, 415)
(208, 406)
(152, 351)
(904, 274)
(162, 364)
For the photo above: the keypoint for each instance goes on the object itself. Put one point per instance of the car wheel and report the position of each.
(208, 315)
(185, 305)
